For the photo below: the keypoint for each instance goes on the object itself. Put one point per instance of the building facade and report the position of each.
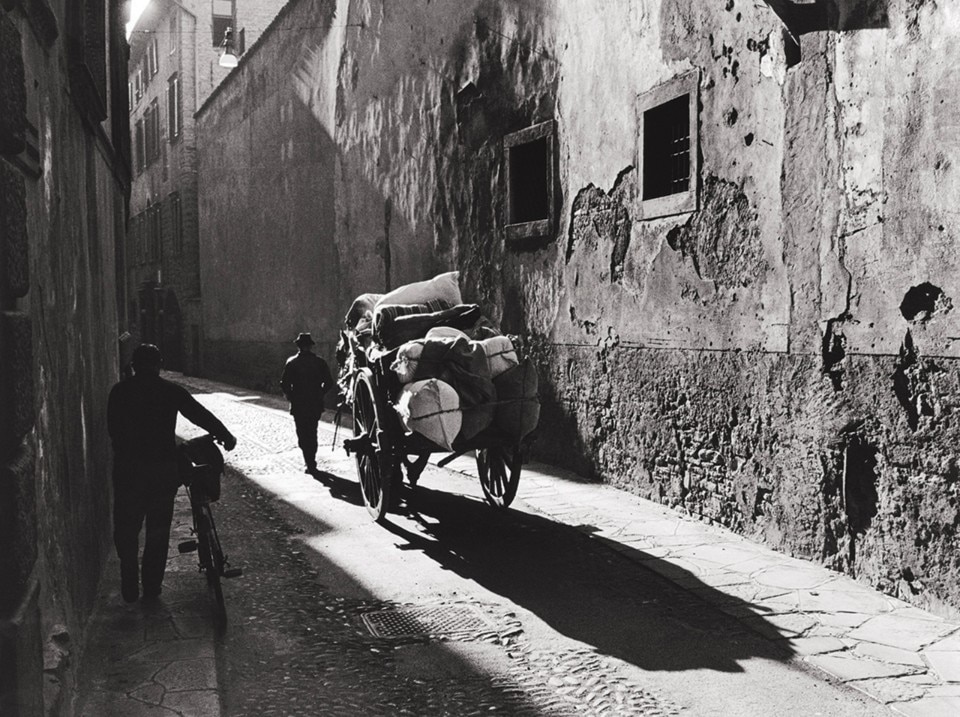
(725, 230)
(64, 158)
(175, 52)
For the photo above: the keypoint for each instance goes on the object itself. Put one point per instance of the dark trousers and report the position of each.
(307, 436)
(143, 492)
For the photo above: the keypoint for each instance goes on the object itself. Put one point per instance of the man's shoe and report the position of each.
(151, 593)
(129, 594)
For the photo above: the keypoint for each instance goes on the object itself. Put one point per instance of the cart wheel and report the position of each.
(376, 464)
(499, 470)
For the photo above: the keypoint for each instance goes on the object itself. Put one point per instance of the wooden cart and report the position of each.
(383, 447)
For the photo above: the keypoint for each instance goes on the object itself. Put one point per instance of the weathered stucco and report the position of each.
(781, 360)
(62, 213)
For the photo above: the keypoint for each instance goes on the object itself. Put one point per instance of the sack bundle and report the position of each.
(432, 409)
(459, 374)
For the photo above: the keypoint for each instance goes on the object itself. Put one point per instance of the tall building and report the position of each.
(64, 158)
(176, 50)
(727, 229)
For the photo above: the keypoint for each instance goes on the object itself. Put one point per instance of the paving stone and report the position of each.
(194, 704)
(815, 645)
(904, 632)
(780, 626)
(929, 707)
(116, 704)
(839, 622)
(945, 664)
(828, 598)
(902, 609)
(885, 653)
(892, 689)
(947, 644)
(188, 675)
(152, 693)
(174, 650)
(719, 555)
(846, 668)
(784, 603)
(792, 577)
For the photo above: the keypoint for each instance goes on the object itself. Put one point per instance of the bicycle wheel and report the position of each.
(211, 560)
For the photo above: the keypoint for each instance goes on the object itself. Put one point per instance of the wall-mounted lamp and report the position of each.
(228, 57)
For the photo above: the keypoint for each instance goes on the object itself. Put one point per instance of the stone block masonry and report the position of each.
(763, 444)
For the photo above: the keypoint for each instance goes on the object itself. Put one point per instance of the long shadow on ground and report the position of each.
(584, 589)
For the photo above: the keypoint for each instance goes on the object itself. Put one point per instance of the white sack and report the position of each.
(443, 286)
(432, 409)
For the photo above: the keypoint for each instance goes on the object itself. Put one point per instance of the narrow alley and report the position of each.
(455, 608)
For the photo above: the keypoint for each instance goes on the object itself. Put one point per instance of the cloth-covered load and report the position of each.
(445, 287)
(518, 400)
(360, 315)
(394, 325)
(498, 350)
(460, 363)
(500, 353)
(432, 409)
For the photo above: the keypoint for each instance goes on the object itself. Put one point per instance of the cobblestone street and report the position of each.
(454, 608)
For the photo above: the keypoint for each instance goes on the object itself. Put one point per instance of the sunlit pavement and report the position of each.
(581, 599)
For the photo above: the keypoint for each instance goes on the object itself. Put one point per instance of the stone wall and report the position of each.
(781, 360)
(63, 179)
(266, 209)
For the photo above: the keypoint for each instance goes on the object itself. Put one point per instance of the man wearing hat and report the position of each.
(305, 380)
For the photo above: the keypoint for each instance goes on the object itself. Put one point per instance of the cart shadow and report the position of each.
(340, 488)
(588, 591)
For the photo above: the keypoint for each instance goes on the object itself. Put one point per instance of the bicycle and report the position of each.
(201, 465)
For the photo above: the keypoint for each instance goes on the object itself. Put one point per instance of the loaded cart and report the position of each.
(425, 373)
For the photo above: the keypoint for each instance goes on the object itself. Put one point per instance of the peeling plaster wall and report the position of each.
(779, 361)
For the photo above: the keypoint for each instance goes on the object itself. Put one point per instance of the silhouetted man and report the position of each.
(142, 419)
(305, 380)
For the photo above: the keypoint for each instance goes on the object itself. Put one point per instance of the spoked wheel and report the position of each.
(211, 560)
(376, 463)
(499, 469)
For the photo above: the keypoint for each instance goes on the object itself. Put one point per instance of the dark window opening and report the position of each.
(529, 200)
(223, 14)
(666, 149)
(529, 171)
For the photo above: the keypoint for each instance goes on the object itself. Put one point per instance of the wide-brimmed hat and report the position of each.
(304, 340)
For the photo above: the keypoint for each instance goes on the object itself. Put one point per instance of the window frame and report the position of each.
(215, 16)
(140, 153)
(153, 59)
(176, 223)
(174, 107)
(152, 131)
(537, 228)
(679, 202)
(174, 30)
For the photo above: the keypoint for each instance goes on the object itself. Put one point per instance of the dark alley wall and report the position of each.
(266, 174)
(781, 359)
(63, 182)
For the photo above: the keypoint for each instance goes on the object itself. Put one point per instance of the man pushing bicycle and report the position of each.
(142, 418)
